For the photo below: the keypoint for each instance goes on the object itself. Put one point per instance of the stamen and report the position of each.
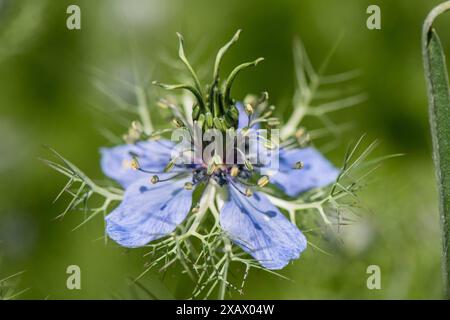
(162, 104)
(300, 132)
(177, 123)
(303, 138)
(251, 99)
(224, 124)
(234, 171)
(188, 186)
(196, 208)
(218, 124)
(169, 166)
(195, 112)
(135, 164)
(154, 179)
(245, 183)
(236, 187)
(233, 113)
(273, 122)
(248, 192)
(147, 171)
(209, 119)
(201, 120)
(299, 165)
(211, 168)
(248, 165)
(269, 144)
(263, 181)
(248, 109)
(167, 179)
(136, 125)
(268, 113)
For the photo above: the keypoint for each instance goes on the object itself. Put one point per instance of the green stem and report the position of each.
(223, 284)
(439, 112)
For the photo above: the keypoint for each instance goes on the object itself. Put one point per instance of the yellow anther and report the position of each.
(269, 145)
(251, 99)
(248, 192)
(169, 166)
(267, 114)
(136, 125)
(177, 123)
(217, 159)
(211, 168)
(248, 109)
(273, 122)
(263, 181)
(134, 164)
(162, 105)
(299, 165)
(155, 179)
(234, 171)
(188, 186)
(300, 132)
(248, 165)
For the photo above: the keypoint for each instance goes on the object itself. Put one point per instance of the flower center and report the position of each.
(223, 174)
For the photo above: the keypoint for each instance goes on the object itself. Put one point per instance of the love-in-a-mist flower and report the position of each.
(159, 190)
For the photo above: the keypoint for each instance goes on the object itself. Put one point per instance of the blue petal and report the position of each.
(261, 230)
(148, 212)
(243, 117)
(317, 171)
(153, 156)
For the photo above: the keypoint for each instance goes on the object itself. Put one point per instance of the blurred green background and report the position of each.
(47, 94)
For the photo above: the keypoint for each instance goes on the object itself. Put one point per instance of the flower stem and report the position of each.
(439, 113)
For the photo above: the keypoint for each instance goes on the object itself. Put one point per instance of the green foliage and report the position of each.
(46, 98)
(318, 94)
(8, 287)
(439, 111)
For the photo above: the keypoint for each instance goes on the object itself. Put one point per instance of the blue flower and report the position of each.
(151, 209)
